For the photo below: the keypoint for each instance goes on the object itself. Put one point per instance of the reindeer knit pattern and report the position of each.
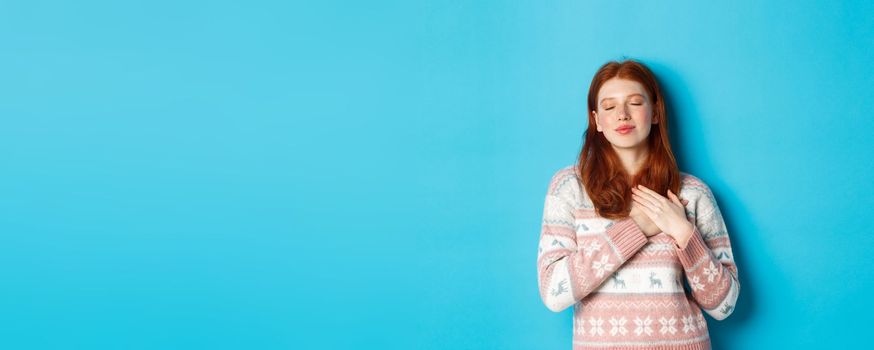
(630, 291)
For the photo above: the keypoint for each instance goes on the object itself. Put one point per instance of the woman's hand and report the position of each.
(668, 214)
(646, 225)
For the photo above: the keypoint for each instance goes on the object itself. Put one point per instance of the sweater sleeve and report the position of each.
(708, 261)
(568, 268)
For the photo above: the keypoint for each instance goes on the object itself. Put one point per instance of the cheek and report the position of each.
(644, 115)
(600, 119)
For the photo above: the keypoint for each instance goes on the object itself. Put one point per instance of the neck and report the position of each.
(632, 158)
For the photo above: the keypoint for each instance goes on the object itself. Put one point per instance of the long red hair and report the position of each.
(601, 172)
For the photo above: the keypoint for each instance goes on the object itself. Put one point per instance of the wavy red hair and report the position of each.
(601, 172)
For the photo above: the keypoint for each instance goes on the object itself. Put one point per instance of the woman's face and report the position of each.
(623, 103)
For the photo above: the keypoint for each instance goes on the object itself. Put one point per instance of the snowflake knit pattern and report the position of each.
(626, 288)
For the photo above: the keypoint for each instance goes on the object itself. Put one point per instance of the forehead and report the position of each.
(617, 88)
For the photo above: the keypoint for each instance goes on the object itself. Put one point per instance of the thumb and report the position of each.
(674, 198)
(683, 201)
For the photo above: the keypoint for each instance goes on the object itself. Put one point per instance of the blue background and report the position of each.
(327, 175)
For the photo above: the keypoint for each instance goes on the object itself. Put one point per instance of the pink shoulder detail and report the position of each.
(561, 177)
(689, 181)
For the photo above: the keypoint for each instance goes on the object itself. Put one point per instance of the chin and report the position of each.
(628, 145)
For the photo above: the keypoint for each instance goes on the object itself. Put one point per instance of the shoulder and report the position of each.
(692, 184)
(697, 192)
(565, 182)
(563, 178)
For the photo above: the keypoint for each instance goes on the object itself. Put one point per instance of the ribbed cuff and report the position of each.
(627, 237)
(695, 249)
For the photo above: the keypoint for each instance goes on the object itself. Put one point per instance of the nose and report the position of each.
(622, 113)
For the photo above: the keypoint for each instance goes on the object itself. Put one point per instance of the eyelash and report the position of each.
(633, 104)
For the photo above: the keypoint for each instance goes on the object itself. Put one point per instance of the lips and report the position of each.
(624, 128)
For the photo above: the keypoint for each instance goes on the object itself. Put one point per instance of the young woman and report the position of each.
(638, 247)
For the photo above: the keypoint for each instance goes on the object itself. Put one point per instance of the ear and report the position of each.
(597, 123)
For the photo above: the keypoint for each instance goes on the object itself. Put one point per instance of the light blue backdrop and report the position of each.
(325, 175)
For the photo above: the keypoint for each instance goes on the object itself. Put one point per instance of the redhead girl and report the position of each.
(636, 246)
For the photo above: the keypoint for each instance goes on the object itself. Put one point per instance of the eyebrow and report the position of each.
(610, 98)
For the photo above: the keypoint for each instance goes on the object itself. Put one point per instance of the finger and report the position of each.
(653, 208)
(674, 198)
(680, 201)
(647, 211)
(639, 202)
(642, 194)
(645, 200)
(655, 194)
